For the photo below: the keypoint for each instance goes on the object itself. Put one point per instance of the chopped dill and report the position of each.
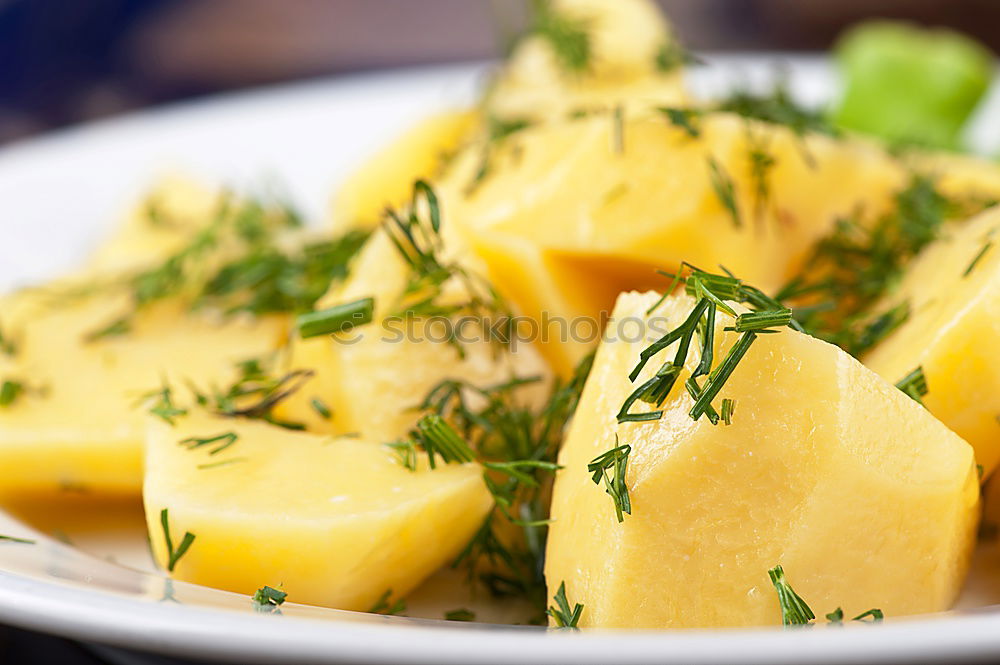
(914, 384)
(218, 443)
(615, 459)
(268, 599)
(13, 539)
(383, 605)
(672, 55)
(979, 257)
(712, 293)
(568, 37)
(174, 555)
(685, 119)
(561, 614)
(725, 190)
(796, 612)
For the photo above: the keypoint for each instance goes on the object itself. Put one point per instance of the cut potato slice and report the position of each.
(953, 292)
(78, 424)
(162, 223)
(566, 221)
(334, 522)
(863, 497)
(386, 178)
(374, 376)
(631, 59)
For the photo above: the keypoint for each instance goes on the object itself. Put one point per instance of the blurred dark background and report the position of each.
(66, 61)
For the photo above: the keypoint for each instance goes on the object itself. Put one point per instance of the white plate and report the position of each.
(89, 577)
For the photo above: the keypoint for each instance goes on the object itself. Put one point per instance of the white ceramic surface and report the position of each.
(59, 193)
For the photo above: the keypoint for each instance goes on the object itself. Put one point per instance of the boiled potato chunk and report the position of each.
(953, 291)
(334, 521)
(79, 422)
(567, 220)
(385, 179)
(862, 496)
(628, 44)
(374, 376)
(163, 222)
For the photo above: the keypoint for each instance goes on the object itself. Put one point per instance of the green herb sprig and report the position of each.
(383, 605)
(616, 460)
(224, 441)
(568, 37)
(839, 295)
(268, 599)
(561, 614)
(712, 292)
(517, 445)
(174, 555)
(914, 384)
(796, 612)
(417, 237)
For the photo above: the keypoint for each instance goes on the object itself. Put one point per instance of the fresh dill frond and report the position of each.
(794, 610)
(517, 446)
(417, 238)
(219, 442)
(762, 161)
(497, 131)
(337, 319)
(236, 263)
(686, 119)
(618, 130)
(672, 55)
(777, 107)
(977, 258)
(438, 439)
(320, 407)
(725, 190)
(712, 292)
(383, 605)
(174, 555)
(116, 328)
(8, 345)
(163, 407)
(615, 486)
(268, 599)
(561, 613)
(852, 271)
(12, 539)
(10, 391)
(222, 463)
(568, 37)
(460, 614)
(256, 393)
(728, 408)
(914, 384)
(876, 616)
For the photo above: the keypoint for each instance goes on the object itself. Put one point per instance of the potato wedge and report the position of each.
(574, 213)
(79, 423)
(333, 521)
(863, 497)
(953, 292)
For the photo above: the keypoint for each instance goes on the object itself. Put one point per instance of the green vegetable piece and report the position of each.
(910, 85)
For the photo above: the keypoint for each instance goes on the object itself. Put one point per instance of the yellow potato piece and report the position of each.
(385, 179)
(566, 221)
(374, 376)
(163, 222)
(79, 425)
(953, 290)
(625, 37)
(863, 497)
(334, 522)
